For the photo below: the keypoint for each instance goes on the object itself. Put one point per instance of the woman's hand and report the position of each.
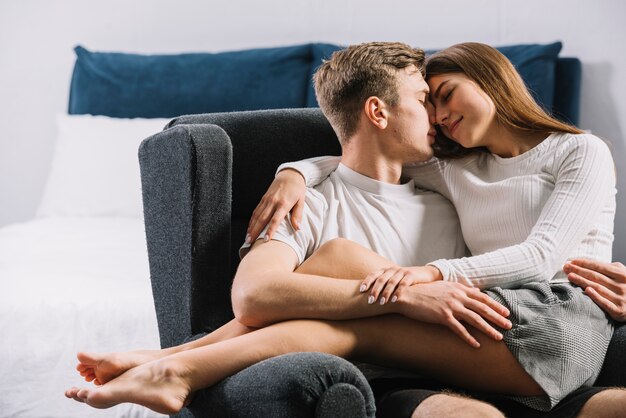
(455, 306)
(386, 282)
(285, 195)
(605, 283)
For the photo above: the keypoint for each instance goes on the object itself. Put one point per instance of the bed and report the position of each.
(76, 277)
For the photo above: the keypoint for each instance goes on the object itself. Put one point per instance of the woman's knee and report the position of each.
(342, 258)
(345, 251)
(340, 246)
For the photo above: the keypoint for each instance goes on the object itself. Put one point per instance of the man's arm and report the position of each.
(605, 283)
(266, 290)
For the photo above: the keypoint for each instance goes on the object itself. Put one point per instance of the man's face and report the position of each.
(409, 120)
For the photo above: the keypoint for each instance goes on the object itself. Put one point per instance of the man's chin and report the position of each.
(421, 157)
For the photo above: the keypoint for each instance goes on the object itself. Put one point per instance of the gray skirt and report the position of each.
(559, 336)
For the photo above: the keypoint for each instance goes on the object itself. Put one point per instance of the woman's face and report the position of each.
(463, 110)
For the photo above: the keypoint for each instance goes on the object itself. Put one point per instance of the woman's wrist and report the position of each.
(434, 272)
(291, 174)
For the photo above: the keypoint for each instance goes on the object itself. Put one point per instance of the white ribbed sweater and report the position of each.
(521, 217)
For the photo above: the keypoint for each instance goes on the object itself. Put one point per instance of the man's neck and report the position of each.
(367, 159)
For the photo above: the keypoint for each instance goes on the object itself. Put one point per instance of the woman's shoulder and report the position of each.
(585, 140)
(585, 146)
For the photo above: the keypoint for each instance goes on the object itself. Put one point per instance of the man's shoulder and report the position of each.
(323, 191)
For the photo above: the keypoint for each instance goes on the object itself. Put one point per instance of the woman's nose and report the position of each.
(441, 117)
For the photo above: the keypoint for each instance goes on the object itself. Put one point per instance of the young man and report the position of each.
(295, 275)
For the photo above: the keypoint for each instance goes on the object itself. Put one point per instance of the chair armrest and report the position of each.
(296, 385)
(186, 181)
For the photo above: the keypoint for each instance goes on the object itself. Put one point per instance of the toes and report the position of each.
(89, 359)
(69, 392)
(82, 394)
(73, 394)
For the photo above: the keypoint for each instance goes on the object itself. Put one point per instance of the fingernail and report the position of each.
(363, 288)
(476, 344)
(499, 336)
(509, 324)
(248, 239)
(394, 299)
(382, 300)
(266, 238)
(371, 300)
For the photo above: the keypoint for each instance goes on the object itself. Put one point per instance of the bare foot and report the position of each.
(103, 367)
(156, 385)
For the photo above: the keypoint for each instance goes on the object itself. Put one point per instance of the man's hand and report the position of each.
(450, 304)
(605, 283)
(385, 282)
(285, 195)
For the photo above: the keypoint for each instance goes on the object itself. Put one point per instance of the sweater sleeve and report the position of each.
(314, 170)
(584, 187)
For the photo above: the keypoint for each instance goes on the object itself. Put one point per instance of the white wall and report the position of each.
(37, 37)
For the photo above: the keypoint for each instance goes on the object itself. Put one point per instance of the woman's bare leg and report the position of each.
(339, 258)
(164, 385)
(102, 367)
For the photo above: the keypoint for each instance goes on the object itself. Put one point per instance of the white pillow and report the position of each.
(95, 168)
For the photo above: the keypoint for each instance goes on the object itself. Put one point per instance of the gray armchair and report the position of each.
(198, 196)
(202, 177)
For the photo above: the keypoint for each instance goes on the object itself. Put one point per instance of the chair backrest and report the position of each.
(261, 141)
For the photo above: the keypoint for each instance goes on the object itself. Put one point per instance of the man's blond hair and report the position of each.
(352, 75)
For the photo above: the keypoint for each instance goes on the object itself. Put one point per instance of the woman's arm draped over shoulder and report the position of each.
(286, 195)
(314, 170)
(584, 186)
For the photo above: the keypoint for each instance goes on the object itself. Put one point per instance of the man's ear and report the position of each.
(376, 112)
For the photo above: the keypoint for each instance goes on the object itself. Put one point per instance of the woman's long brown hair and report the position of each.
(495, 75)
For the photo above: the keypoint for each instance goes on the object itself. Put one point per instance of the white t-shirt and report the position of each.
(407, 225)
(522, 217)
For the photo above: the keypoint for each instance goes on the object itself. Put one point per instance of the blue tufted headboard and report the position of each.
(132, 85)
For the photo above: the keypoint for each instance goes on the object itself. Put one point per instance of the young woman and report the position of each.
(531, 193)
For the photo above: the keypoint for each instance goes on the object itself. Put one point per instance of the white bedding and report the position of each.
(69, 284)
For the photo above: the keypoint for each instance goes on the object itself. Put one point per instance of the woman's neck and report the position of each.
(508, 143)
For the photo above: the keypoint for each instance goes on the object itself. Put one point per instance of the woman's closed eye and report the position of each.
(425, 101)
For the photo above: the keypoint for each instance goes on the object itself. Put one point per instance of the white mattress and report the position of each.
(69, 284)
